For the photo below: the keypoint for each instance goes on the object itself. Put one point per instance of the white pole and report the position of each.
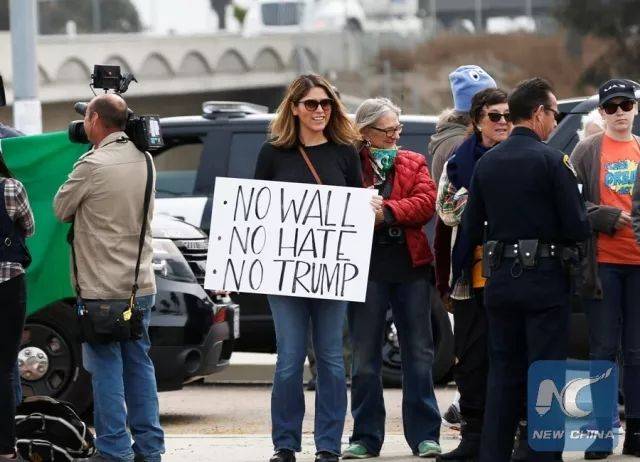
(479, 27)
(434, 17)
(27, 111)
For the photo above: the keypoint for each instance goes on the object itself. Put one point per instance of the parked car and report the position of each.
(191, 336)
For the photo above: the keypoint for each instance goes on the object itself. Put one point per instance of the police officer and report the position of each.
(524, 196)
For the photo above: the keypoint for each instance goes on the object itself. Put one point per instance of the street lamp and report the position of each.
(27, 111)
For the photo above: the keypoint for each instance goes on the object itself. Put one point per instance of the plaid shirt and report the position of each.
(17, 205)
(450, 205)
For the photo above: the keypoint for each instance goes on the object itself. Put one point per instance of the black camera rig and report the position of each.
(144, 130)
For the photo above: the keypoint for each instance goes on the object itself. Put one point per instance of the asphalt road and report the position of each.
(211, 409)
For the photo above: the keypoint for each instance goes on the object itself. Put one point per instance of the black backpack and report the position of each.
(48, 430)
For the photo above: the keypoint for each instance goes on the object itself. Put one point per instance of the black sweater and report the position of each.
(337, 165)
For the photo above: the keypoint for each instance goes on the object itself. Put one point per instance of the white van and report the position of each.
(293, 16)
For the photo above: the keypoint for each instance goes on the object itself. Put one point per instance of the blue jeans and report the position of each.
(124, 392)
(412, 316)
(615, 321)
(291, 316)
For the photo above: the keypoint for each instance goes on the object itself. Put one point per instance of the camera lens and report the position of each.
(77, 133)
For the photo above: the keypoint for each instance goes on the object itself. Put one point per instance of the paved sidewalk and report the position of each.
(257, 448)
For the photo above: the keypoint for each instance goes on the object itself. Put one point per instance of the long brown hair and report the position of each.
(285, 127)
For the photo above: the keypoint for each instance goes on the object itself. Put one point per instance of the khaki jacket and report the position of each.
(104, 195)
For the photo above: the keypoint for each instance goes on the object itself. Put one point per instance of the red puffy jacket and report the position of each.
(412, 200)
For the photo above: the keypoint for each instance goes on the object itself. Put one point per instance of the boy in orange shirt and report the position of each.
(606, 165)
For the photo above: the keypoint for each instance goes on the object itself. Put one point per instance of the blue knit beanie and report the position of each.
(466, 81)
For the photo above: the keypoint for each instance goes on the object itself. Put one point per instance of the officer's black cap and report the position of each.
(616, 88)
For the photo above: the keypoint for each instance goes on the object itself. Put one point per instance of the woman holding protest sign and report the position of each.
(311, 142)
(400, 275)
(16, 223)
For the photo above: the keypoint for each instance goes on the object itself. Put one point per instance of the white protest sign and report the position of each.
(294, 239)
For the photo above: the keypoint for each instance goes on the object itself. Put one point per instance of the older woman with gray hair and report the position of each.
(401, 276)
(591, 124)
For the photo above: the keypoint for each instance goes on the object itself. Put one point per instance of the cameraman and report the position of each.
(103, 197)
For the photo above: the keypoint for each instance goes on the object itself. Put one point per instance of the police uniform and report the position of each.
(524, 202)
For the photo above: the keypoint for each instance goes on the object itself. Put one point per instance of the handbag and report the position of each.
(106, 321)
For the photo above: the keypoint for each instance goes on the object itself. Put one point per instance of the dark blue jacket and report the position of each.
(524, 189)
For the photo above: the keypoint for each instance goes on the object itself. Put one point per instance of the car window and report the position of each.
(415, 143)
(244, 153)
(281, 14)
(176, 170)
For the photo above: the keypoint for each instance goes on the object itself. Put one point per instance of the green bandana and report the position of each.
(384, 158)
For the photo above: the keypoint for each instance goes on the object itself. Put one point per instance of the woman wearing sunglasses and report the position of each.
(490, 125)
(401, 276)
(311, 142)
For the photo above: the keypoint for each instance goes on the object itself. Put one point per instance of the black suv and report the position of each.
(225, 141)
(191, 336)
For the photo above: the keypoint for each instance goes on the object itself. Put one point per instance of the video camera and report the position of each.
(143, 130)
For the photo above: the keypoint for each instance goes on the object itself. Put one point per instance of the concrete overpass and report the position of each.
(177, 65)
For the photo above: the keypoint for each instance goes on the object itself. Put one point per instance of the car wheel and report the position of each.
(50, 358)
(442, 340)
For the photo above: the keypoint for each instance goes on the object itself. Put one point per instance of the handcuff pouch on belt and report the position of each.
(528, 253)
(492, 256)
(525, 255)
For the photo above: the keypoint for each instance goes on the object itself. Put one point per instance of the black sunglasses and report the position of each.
(556, 113)
(612, 108)
(312, 104)
(496, 116)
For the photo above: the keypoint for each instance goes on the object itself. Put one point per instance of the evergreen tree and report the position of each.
(615, 20)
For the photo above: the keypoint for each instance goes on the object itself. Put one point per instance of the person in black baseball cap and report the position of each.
(616, 88)
(606, 165)
(618, 107)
